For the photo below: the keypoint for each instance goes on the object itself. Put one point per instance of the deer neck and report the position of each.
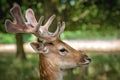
(49, 71)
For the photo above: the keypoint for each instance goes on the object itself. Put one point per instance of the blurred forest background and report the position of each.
(85, 20)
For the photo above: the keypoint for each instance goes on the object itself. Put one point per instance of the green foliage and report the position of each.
(7, 38)
(29, 38)
(10, 38)
(105, 66)
(87, 34)
(3, 14)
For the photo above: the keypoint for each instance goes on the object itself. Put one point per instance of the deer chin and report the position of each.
(65, 65)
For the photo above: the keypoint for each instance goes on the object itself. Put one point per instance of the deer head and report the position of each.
(55, 55)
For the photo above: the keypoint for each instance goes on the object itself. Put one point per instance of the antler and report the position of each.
(32, 26)
(41, 31)
(19, 26)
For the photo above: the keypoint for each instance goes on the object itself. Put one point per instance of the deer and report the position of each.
(54, 54)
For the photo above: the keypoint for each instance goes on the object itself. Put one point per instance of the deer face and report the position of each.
(62, 55)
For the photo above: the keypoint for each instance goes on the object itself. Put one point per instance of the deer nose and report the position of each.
(89, 59)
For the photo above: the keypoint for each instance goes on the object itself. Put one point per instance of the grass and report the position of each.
(103, 67)
(15, 69)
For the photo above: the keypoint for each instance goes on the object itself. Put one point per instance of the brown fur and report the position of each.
(48, 70)
(50, 66)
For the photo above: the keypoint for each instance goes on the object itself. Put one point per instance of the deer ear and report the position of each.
(39, 47)
(35, 46)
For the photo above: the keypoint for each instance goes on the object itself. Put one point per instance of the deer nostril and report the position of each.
(89, 59)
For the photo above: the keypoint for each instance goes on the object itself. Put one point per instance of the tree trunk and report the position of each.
(20, 50)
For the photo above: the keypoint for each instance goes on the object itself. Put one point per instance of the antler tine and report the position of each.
(12, 29)
(20, 26)
(15, 11)
(30, 16)
(48, 23)
(60, 29)
(32, 20)
(57, 30)
(39, 23)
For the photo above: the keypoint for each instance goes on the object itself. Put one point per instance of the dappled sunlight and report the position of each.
(11, 48)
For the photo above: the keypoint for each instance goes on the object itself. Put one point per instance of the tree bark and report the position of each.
(19, 43)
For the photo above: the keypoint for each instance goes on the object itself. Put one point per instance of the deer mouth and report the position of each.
(87, 61)
(80, 64)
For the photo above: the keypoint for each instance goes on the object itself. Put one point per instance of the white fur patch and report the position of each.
(66, 65)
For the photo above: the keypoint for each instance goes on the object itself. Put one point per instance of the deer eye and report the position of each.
(51, 43)
(63, 51)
